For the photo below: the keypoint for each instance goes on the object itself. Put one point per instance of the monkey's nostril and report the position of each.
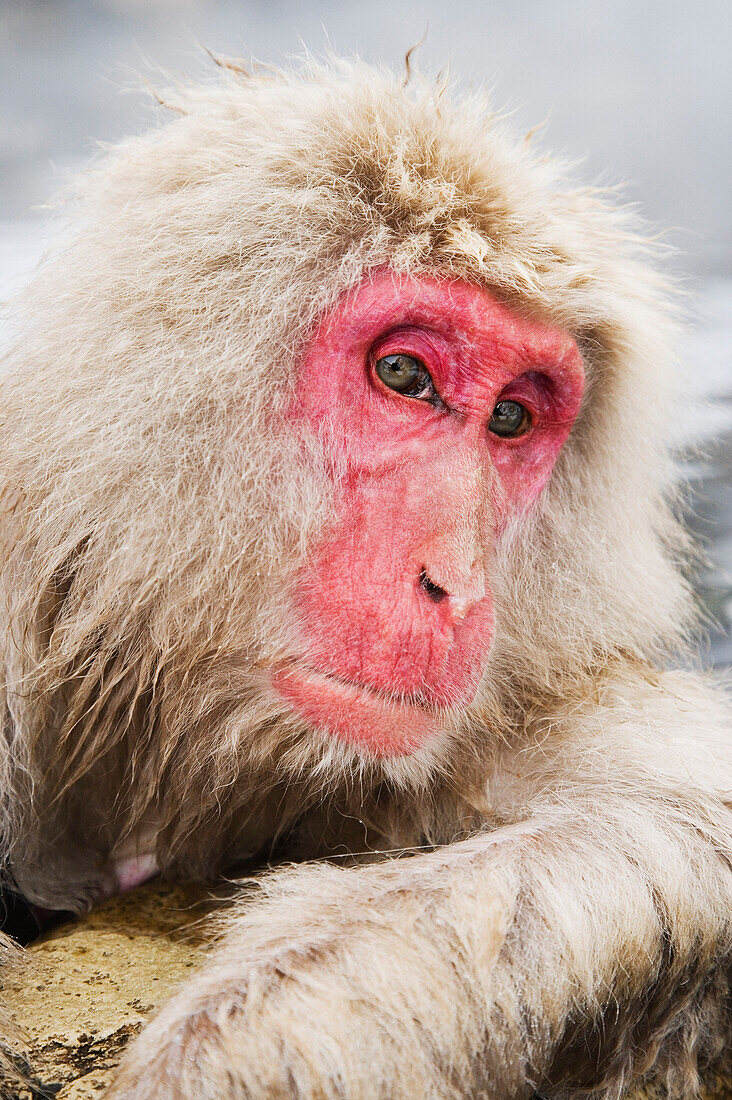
(433, 590)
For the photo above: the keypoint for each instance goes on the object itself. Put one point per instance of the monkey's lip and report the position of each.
(365, 717)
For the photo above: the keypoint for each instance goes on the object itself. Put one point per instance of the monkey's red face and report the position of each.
(449, 410)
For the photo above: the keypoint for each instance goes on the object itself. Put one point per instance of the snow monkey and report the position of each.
(336, 533)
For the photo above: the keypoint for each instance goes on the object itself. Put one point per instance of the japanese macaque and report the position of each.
(336, 523)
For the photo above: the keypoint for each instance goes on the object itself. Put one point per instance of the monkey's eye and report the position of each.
(406, 375)
(510, 419)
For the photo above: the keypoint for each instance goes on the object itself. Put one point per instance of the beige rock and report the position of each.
(88, 987)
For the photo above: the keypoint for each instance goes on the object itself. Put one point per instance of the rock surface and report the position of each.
(88, 987)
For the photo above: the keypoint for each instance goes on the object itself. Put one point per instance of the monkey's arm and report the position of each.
(562, 950)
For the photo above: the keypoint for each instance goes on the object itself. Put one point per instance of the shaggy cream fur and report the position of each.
(570, 928)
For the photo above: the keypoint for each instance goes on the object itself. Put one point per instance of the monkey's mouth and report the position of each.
(365, 717)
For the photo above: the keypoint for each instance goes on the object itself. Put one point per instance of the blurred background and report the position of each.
(639, 91)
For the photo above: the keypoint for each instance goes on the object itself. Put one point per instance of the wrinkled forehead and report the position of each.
(467, 314)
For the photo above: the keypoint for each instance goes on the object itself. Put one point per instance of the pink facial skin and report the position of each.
(427, 492)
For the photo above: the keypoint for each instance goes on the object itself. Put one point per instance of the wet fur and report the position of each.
(572, 927)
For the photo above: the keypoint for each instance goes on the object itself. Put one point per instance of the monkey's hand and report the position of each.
(569, 950)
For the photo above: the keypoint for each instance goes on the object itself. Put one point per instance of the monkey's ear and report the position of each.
(52, 599)
(39, 598)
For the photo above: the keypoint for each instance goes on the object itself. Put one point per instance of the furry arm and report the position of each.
(572, 947)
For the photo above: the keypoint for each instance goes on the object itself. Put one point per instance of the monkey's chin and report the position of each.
(364, 718)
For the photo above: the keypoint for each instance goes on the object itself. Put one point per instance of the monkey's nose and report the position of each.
(435, 593)
(458, 606)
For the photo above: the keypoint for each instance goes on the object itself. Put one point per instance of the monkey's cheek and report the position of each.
(368, 721)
